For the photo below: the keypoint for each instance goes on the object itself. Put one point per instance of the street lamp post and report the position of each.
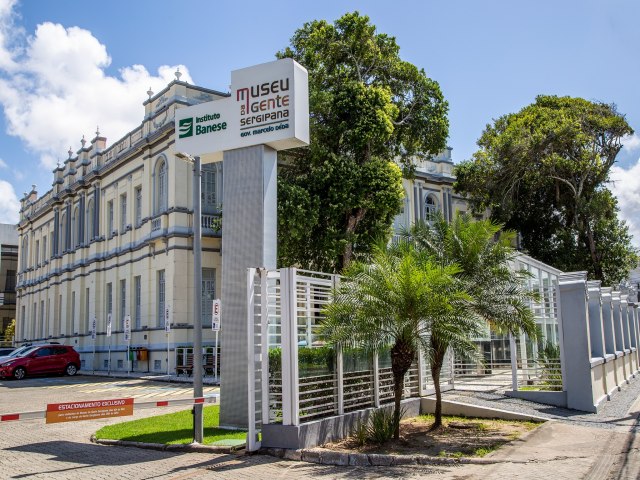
(197, 295)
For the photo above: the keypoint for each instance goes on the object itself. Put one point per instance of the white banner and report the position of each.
(109, 325)
(127, 328)
(215, 318)
(167, 319)
(94, 327)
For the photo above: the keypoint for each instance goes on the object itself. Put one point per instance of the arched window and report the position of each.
(75, 221)
(63, 232)
(430, 208)
(25, 253)
(89, 229)
(160, 186)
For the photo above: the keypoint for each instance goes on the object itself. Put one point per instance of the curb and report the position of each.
(181, 447)
(329, 457)
(147, 376)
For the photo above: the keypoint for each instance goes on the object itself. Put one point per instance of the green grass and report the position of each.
(428, 417)
(482, 451)
(171, 428)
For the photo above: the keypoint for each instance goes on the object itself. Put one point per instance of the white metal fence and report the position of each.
(520, 363)
(294, 376)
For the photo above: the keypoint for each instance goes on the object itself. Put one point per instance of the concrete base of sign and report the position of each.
(249, 240)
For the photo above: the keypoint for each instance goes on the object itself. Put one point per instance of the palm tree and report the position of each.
(497, 293)
(387, 301)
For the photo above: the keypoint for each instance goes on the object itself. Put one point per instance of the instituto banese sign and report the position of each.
(269, 104)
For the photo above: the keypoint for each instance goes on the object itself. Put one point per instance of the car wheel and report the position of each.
(19, 373)
(71, 370)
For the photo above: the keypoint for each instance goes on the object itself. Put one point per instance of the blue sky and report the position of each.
(68, 66)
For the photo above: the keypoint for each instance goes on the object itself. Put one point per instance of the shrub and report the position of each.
(381, 425)
(309, 359)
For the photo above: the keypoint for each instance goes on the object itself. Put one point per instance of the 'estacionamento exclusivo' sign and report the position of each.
(269, 104)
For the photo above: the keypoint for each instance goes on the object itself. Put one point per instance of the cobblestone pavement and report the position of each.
(33, 450)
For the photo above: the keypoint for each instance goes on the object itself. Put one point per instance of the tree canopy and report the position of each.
(368, 110)
(543, 172)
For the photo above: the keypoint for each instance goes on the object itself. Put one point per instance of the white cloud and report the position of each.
(54, 87)
(3, 164)
(626, 187)
(9, 204)
(631, 142)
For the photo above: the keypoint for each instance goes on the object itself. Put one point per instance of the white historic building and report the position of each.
(114, 236)
(430, 191)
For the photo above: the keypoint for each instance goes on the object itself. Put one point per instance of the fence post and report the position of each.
(264, 337)
(340, 370)
(286, 340)
(252, 434)
(421, 389)
(293, 318)
(514, 362)
(376, 380)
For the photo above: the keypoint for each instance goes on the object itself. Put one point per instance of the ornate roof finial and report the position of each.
(97, 131)
(83, 141)
(150, 93)
(33, 187)
(69, 157)
(178, 74)
(70, 152)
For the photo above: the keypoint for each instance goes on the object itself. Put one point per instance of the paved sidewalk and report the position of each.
(573, 446)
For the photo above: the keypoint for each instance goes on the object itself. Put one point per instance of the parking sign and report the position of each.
(215, 318)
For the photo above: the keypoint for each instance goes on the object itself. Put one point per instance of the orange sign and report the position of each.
(88, 410)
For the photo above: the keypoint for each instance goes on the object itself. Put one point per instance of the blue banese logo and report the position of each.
(185, 128)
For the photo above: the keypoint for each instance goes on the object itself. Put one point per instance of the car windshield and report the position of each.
(24, 351)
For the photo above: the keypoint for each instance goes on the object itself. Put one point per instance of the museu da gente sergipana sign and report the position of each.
(269, 104)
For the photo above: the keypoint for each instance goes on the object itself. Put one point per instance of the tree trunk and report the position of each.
(436, 368)
(353, 219)
(591, 242)
(402, 356)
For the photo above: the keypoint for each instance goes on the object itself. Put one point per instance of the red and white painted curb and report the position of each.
(213, 399)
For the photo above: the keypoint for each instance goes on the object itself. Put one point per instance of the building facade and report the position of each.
(113, 238)
(8, 269)
(430, 191)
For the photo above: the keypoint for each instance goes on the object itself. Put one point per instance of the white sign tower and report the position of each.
(267, 111)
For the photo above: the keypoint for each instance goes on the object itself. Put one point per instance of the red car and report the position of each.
(41, 360)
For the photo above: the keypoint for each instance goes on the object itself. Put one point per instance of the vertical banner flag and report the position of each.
(167, 319)
(108, 325)
(94, 326)
(127, 328)
(215, 318)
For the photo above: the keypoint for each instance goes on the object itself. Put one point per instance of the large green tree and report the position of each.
(543, 172)
(369, 109)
